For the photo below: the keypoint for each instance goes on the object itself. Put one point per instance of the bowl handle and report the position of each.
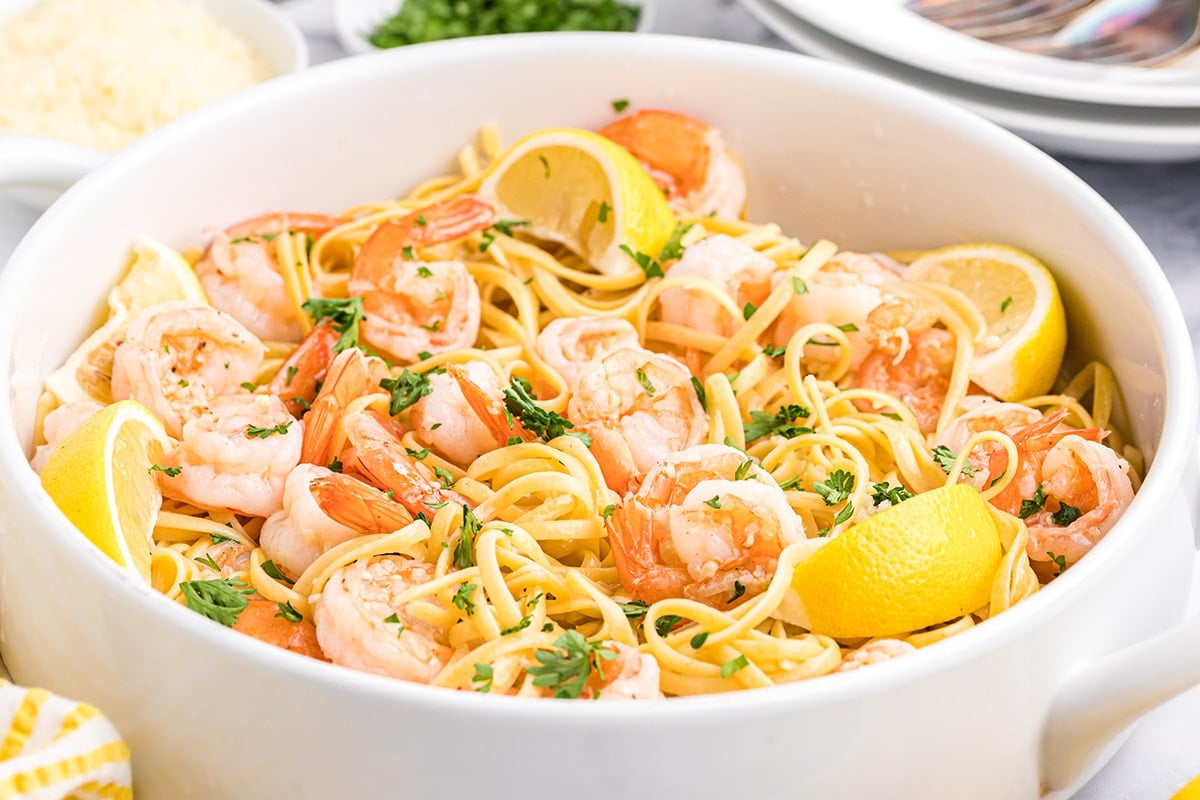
(1094, 706)
(34, 161)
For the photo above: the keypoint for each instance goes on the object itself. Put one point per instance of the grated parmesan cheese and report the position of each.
(101, 73)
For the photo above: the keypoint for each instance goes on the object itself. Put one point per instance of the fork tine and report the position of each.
(959, 14)
(955, 9)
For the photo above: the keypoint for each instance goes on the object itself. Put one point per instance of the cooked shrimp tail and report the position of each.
(300, 376)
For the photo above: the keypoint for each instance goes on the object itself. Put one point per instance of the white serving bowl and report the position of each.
(1022, 706)
(38, 169)
(355, 20)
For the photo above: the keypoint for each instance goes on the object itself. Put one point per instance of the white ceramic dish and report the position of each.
(37, 169)
(887, 28)
(1025, 705)
(355, 20)
(1076, 129)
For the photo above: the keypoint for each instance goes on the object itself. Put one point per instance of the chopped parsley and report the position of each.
(483, 678)
(291, 373)
(219, 600)
(618, 106)
(774, 352)
(520, 402)
(714, 501)
(738, 591)
(520, 626)
(698, 640)
(545, 164)
(634, 609)
(255, 432)
(1031, 507)
(1065, 515)
(433, 326)
(408, 254)
(419, 455)
(945, 457)
(604, 209)
(645, 382)
(748, 310)
(289, 613)
(249, 386)
(798, 285)
(208, 561)
(1060, 561)
(1004, 306)
(218, 538)
(701, 395)
(424, 272)
(464, 551)
(663, 624)
(273, 571)
(343, 314)
(791, 483)
(170, 472)
(336, 465)
(886, 493)
(505, 226)
(406, 390)
(845, 514)
(836, 488)
(421, 221)
(742, 473)
(729, 442)
(673, 249)
(392, 619)
(566, 669)
(849, 327)
(445, 476)
(764, 423)
(734, 666)
(462, 598)
(608, 511)
(649, 266)
(419, 21)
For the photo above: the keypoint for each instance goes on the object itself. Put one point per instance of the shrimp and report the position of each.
(230, 557)
(240, 272)
(567, 344)
(321, 509)
(693, 529)
(413, 306)
(385, 463)
(630, 675)
(235, 456)
(874, 652)
(179, 355)
(686, 158)
(58, 424)
(1089, 478)
(446, 420)
(351, 374)
(639, 407)
(990, 415)
(843, 292)
(362, 625)
(740, 271)
(300, 376)
(264, 620)
(919, 379)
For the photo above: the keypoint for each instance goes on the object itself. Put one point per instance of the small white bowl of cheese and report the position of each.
(81, 79)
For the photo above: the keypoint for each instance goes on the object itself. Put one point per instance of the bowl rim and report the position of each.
(1173, 453)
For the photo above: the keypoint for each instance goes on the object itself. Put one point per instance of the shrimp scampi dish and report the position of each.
(567, 424)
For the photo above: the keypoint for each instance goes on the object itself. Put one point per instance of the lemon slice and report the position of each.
(99, 476)
(156, 274)
(584, 191)
(1189, 792)
(927, 560)
(1017, 296)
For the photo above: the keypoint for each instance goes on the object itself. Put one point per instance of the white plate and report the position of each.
(1077, 129)
(887, 28)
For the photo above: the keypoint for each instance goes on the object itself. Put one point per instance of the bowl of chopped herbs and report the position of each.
(364, 26)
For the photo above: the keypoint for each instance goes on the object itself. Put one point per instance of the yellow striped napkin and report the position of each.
(56, 748)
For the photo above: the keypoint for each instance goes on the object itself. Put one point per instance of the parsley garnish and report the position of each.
(714, 501)
(701, 395)
(545, 164)
(519, 400)
(253, 431)
(649, 266)
(1065, 515)
(170, 472)
(748, 310)
(218, 538)
(464, 551)
(742, 473)
(1004, 306)
(608, 511)
(664, 623)
(505, 226)
(208, 561)
(604, 209)
(419, 455)
(945, 457)
(698, 640)
(885, 492)
(344, 314)
(791, 483)
(249, 386)
(291, 373)
(462, 598)
(736, 665)
(738, 591)
(798, 285)
(729, 442)
(1060, 561)
(673, 249)
(424, 272)
(273, 571)
(408, 254)
(219, 600)
(287, 612)
(445, 476)
(634, 609)
(336, 465)
(845, 514)
(645, 382)
(849, 327)
(520, 626)
(764, 423)
(774, 352)
(619, 106)
(406, 390)
(836, 488)
(567, 668)
(483, 678)
(1031, 507)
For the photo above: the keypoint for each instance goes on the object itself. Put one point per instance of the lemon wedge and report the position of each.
(583, 191)
(1018, 298)
(156, 274)
(1189, 792)
(100, 478)
(927, 560)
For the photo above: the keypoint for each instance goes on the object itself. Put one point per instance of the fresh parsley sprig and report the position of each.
(344, 314)
(781, 423)
(220, 600)
(522, 404)
(566, 669)
(406, 390)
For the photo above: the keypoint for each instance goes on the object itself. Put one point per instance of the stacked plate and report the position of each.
(1092, 110)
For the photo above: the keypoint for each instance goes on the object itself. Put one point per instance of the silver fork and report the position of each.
(986, 18)
(1132, 32)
